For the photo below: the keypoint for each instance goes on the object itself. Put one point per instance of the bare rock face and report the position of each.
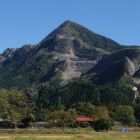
(130, 67)
(78, 61)
(7, 54)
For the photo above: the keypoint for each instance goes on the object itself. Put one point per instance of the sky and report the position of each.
(29, 21)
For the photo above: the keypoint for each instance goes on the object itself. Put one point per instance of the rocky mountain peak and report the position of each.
(64, 30)
(67, 22)
(8, 52)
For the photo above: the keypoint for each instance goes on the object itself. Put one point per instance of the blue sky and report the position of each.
(29, 21)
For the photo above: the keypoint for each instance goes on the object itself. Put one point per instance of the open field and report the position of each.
(91, 136)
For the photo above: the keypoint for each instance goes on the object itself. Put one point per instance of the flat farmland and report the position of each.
(92, 136)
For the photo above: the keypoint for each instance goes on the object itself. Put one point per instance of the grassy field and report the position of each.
(92, 136)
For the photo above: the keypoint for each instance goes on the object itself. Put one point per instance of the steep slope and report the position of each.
(72, 31)
(116, 65)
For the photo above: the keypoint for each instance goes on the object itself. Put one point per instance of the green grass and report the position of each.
(93, 136)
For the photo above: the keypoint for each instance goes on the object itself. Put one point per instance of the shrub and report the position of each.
(125, 115)
(103, 124)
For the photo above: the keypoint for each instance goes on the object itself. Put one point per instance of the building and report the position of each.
(85, 119)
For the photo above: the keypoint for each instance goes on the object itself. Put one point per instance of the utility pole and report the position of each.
(135, 89)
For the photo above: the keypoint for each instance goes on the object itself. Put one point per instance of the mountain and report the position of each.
(69, 51)
(114, 66)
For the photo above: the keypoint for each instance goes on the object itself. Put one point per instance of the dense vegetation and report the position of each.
(59, 106)
(27, 66)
